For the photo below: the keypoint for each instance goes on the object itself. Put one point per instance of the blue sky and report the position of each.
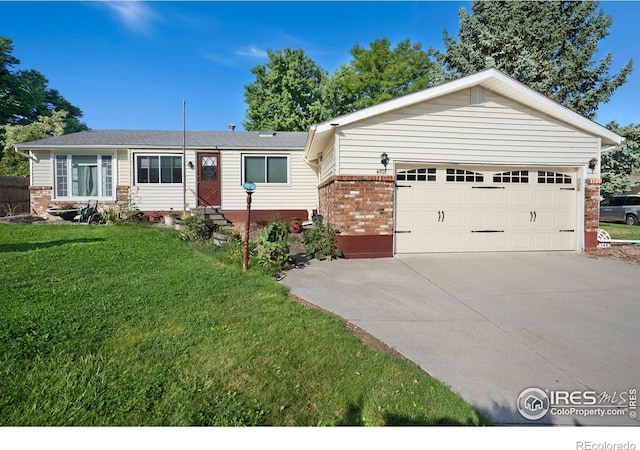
(129, 65)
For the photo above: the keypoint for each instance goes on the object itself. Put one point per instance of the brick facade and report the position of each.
(41, 200)
(361, 207)
(591, 213)
(358, 205)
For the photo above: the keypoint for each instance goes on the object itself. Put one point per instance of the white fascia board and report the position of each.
(491, 79)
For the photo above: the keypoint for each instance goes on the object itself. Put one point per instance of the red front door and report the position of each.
(209, 179)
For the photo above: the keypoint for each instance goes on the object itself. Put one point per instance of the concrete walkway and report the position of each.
(491, 325)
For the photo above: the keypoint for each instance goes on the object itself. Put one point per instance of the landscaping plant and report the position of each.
(320, 241)
(273, 247)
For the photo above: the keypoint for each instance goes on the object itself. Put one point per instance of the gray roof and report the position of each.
(165, 139)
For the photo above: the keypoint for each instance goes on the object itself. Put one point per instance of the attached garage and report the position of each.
(479, 164)
(471, 209)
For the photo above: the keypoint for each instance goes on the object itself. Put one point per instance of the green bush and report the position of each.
(195, 228)
(320, 241)
(273, 247)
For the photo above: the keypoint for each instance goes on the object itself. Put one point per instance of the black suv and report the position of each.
(621, 208)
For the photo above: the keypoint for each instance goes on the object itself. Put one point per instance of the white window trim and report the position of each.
(71, 197)
(159, 183)
(266, 155)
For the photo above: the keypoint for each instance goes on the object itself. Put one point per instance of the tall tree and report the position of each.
(46, 126)
(25, 94)
(286, 95)
(9, 103)
(377, 74)
(621, 161)
(547, 45)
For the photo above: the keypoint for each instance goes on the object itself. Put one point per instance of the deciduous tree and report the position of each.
(286, 95)
(377, 74)
(15, 164)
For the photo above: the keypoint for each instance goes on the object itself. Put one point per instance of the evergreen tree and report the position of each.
(621, 161)
(547, 45)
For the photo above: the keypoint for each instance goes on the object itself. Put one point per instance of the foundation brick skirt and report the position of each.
(361, 207)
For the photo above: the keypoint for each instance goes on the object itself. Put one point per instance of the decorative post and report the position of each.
(249, 187)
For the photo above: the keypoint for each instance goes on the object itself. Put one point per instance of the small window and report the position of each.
(632, 200)
(464, 176)
(266, 169)
(553, 178)
(516, 176)
(424, 174)
(159, 169)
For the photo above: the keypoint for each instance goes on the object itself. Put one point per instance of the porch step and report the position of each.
(213, 216)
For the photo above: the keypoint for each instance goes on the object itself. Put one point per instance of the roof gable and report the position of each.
(490, 79)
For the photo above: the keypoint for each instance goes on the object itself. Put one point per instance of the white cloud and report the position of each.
(252, 52)
(136, 15)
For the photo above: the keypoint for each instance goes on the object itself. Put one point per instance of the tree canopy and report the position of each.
(26, 100)
(547, 45)
(621, 162)
(377, 74)
(45, 126)
(25, 94)
(286, 94)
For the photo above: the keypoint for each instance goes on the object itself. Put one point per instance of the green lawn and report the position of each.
(621, 231)
(127, 325)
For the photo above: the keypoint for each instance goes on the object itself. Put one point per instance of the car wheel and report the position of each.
(631, 220)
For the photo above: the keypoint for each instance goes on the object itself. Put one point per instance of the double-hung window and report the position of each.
(158, 169)
(270, 169)
(83, 176)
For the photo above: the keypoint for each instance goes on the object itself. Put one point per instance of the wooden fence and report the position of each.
(14, 195)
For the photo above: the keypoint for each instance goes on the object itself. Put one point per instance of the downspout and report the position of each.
(31, 158)
(312, 133)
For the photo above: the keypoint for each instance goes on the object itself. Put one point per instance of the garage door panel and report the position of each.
(479, 214)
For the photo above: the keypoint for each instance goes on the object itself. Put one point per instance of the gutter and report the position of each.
(26, 155)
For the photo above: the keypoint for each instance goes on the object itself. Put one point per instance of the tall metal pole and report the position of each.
(245, 254)
(184, 157)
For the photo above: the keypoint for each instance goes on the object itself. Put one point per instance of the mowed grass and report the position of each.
(128, 325)
(622, 231)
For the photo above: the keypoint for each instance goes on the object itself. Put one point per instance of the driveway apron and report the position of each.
(491, 325)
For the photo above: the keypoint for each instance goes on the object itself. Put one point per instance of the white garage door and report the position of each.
(467, 209)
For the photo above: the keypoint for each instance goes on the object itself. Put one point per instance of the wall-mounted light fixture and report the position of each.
(384, 160)
(593, 162)
(190, 164)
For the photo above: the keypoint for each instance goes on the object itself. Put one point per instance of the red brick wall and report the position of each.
(41, 200)
(591, 213)
(358, 205)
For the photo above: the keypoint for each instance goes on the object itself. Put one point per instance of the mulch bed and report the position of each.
(629, 253)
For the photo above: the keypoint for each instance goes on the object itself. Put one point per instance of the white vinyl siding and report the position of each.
(42, 171)
(450, 130)
(328, 164)
(299, 193)
(163, 196)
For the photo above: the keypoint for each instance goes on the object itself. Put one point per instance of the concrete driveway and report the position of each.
(492, 325)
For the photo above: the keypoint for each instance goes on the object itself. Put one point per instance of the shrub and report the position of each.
(273, 247)
(109, 215)
(320, 241)
(195, 228)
